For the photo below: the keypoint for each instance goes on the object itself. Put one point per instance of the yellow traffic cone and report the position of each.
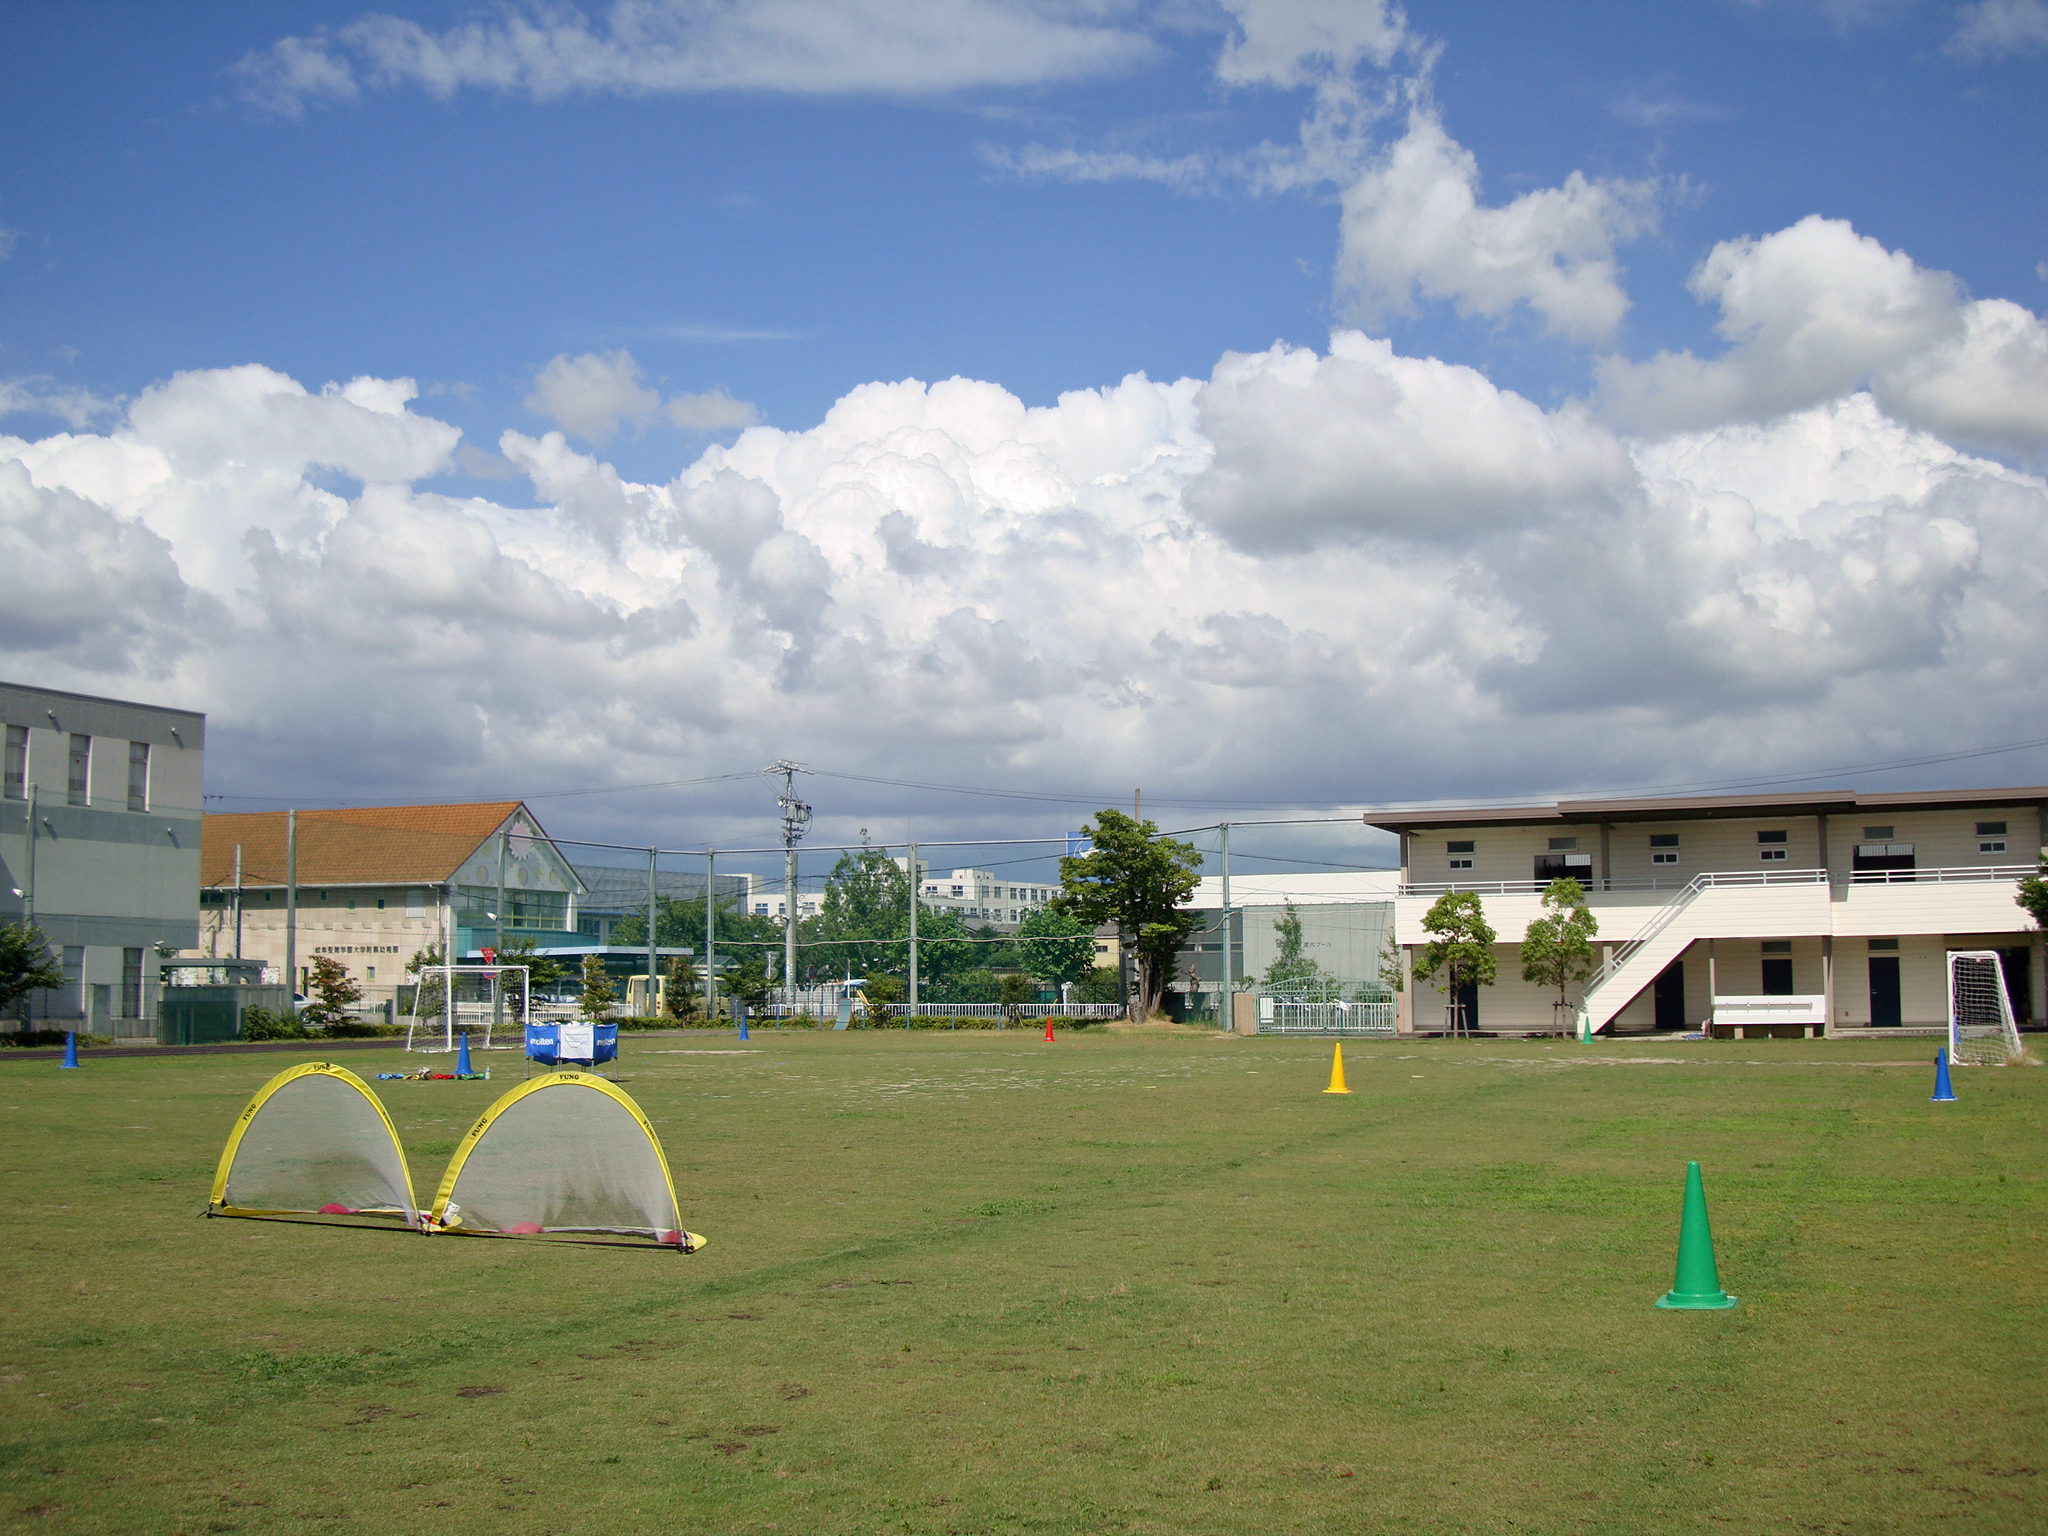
(1337, 1071)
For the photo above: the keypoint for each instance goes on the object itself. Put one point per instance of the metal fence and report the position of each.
(1285, 1016)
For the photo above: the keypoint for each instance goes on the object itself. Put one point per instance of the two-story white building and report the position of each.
(1851, 900)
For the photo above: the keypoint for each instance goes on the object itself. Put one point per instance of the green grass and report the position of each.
(977, 1283)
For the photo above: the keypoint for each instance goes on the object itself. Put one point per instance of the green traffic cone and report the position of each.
(1697, 1286)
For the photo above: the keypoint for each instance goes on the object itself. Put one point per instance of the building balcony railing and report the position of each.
(1733, 877)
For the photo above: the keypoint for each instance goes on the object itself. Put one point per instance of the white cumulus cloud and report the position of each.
(592, 394)
(1815, 311)
(1991, 29)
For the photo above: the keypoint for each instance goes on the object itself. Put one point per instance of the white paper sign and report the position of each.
(578, 1043)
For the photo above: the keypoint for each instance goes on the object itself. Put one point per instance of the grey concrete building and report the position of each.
(99, 848)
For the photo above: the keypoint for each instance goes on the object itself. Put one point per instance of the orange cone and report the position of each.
(1048, 1030)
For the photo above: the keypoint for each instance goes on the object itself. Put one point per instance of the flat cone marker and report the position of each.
(1048, 1030)
(70, 1049)
(1698, 1284)
(1337, 1071)
(462, 1066)
(1943, 1093)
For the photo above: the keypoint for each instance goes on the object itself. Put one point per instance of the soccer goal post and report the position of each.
(1981, 1029)
(450, 1001)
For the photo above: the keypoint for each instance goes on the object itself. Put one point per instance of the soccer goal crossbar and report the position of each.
(480, 1001)
(1981, 1028)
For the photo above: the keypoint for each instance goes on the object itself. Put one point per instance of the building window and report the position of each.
(79, 775)
(1663, 847)
(17, 762)
(1460, 854)
(1563, 844)
(138, 775)
(1991, 845)
(1777, 968)
(1879, 834)
(1881, 858)
(1771, 847)
(369, 973)
(1991, 834)
(380, 903)
(1879, 946)
(1991, 829)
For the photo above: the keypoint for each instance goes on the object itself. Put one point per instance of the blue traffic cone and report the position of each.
(71, 1048)
(462, 1066)
(743, 1024)
(1943, 1093)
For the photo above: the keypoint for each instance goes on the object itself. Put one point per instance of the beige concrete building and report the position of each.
(1848, 902)
(377, 886)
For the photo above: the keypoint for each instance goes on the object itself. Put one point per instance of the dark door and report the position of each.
(1777, 976)
(1467, 1016)
(1884, 991)
(1671, 996)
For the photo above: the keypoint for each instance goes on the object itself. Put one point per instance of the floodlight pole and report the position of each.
(710, 942)
(1229, 960)
(291, 904)
(28, 881)
(498, 915)
(912, 989)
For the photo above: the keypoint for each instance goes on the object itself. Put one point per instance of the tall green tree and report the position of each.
(863, 923)
(1461, 949)
(1056, 948)
(332, 991)
(1558, 948)
(1136, 879)
(1291, 971)
(682, 997)
(599, 995)
(2033, 895)
(26, 964)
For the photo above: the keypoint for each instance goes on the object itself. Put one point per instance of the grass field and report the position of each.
(1143, 1282)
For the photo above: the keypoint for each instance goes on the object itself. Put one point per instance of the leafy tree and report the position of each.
(881, 994)
(599, 995)
(683, 993)
(1558, 949)
(270, 1024)
(1136, 879)
(1461, 950)
(680, 925)
(427, 1001)
(1389, 970)
(542, 971)
(2033, 895)
(332, 992)
(748, 981)
(1100, 985)
(1056, 948)
(863, 923)
(1016, 993)
(26, 964)
(1293, 972)
(978, 985)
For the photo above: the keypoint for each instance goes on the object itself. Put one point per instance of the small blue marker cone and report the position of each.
(1943, 1093)
(462, 1066)
(743, 1025)
(70, 1048)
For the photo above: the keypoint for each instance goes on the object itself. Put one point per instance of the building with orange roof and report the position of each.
(377, 885)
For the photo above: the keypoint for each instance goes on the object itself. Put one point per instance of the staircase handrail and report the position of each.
(1668, 913)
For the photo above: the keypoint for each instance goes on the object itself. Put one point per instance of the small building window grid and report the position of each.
(1771, 847)
(138, 775)
(1460, 854)
(1663, 847)
(78, 776)
(17, 762)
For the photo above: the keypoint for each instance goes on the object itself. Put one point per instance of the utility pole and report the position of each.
(796, 816)
(1137, 805)
(238, 901)
(291, 903)
(650, 933)
(710, 946)
(498, 912)
(912, 989)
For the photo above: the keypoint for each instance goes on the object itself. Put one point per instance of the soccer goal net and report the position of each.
(450, 1001)
(1981, 1030)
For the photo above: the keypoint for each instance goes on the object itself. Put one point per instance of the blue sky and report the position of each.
(730, 223)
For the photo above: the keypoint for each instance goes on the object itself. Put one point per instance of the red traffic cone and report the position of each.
(1048, 1030)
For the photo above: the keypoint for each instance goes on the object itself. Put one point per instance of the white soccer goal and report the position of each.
(475, 1000)
(1981, 1031)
